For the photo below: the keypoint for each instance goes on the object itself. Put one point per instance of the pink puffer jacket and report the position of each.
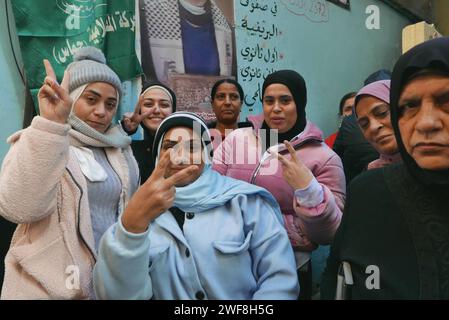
(239, 157)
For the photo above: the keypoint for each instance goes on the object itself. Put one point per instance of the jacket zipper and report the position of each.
(78, 214)
(282, 152)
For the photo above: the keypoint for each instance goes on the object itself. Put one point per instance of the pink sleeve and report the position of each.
(32, 170)
(321, 222)
(220, 163)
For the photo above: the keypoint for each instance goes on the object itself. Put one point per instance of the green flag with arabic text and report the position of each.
(55, 29)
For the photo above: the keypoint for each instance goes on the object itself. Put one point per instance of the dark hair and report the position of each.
(231, 81)
(343, 100)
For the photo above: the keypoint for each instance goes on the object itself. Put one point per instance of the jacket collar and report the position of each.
(310, 133)
(167, 222)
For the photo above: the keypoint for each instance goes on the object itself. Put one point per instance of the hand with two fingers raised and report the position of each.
(154, 197)
(54, 101)
(294, 171)
(131, 120)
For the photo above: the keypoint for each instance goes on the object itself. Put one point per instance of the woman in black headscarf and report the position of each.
(394, 236)
(156, 102)
(304, 175)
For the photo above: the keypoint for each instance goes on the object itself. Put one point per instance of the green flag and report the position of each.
(55, 29)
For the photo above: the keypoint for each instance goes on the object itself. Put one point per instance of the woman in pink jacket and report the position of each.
(285, 154)
(65, 180)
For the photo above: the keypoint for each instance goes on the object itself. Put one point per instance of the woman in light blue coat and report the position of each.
(190, 233)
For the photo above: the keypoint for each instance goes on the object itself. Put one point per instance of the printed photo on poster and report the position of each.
(187, 44)
(342, 3)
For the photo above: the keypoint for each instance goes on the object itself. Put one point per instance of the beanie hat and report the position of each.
(89, 65)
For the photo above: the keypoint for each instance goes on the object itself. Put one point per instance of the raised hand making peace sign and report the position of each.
(295, 172)
(154, 197)
(131, 120)
(155, 104)
(54, 100)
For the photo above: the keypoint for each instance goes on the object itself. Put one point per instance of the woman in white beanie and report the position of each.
(64, 181)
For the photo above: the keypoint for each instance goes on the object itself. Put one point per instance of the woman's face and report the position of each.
(347, 106)
(227, 103)
(279, 108)
(424, 121)
(160, 105)
(373, 117)
(97, 105)
(186, 149)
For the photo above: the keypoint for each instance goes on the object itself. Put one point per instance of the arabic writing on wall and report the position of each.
(314, 10)
(259, 54)
(64, 50)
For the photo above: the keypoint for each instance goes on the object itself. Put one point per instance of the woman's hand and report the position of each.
(132, 120)
(295, 172)
(154, 197)
(55, 103)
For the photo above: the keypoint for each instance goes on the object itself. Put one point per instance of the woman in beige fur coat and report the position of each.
(64, 181)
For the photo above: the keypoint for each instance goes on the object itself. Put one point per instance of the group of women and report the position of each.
(69, 176)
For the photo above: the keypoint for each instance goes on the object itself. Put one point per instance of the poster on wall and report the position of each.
(342, 3)
(188, 45)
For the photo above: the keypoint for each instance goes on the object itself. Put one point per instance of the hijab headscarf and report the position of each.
(170, 93)
(379, 89)
(430, 55)
(211, 189)
(297, 86)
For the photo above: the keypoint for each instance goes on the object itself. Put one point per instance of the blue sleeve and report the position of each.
(121, 271)
(272, 254)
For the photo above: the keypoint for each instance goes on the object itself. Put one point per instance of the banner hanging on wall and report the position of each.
(56, 29)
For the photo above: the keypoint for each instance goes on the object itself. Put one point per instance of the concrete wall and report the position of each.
(12, 89)
(334, 56)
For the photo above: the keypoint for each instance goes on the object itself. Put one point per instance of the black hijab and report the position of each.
(297, 86)
(433, 55)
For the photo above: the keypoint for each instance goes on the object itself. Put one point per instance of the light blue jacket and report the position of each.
(238, 250)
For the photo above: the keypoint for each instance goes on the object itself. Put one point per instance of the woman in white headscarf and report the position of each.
(191, 233)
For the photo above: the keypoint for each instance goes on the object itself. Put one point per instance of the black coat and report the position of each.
(142, 150)
(394, 223)
(352, 147)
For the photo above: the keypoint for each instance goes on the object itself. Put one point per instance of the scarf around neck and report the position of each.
(212, 190)
(198, 16)
(82, 134)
